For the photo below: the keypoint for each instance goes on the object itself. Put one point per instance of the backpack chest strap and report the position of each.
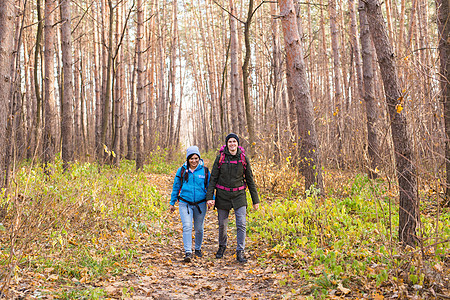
(230, 189)
(233, 162)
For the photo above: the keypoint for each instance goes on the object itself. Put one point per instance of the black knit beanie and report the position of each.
(231, 135)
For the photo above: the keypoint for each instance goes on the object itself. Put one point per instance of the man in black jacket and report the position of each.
(230, 176)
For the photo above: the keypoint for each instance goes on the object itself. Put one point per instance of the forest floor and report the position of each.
(167, 276)
(117, 262)
(157, 270)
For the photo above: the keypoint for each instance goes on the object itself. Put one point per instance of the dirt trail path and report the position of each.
(168, 277)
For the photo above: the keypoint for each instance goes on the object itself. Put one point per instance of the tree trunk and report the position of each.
(118, 88)
(50, 104)
(131, 135)
(37, 87)
(140, 86)
(356, 49)
(173, 71)
(338, 111)
(246, 75)
(235, 82)
(6, 57)
(162, 105)
(444, 55)
(277, 81)
(107, 91)
(406, 172)
(77, 101)
(369, 92)
(298, 84)
(67, 99)
(98, 91)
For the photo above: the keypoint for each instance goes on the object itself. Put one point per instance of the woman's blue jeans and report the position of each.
(240, 214)
(189, 213)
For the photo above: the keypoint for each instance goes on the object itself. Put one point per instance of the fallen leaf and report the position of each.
(53, 277)
(343, 289)
(378, 297)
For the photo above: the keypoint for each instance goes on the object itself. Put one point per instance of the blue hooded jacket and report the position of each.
(194, 190)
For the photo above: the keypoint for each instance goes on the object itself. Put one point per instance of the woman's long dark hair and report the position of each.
(186, 174)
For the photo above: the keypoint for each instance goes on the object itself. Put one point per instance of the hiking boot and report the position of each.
(198, 253)
(221, 251)
(240, 256)
(188, 257)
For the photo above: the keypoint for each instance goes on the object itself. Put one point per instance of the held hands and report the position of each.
(256, 206)
(171, 208)
(210, 204)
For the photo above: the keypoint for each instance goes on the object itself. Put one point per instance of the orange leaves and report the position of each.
(399, 107)
(336, 112)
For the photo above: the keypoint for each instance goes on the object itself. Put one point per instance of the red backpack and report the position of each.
(241, 160)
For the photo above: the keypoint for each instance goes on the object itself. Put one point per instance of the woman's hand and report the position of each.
(172, 208)
(210, 204)
(256, 206)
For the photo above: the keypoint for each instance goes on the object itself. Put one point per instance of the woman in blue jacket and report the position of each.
(189, 188)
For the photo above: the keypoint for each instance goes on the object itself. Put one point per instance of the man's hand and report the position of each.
(256, 206)
(171, 208)
(210, 204)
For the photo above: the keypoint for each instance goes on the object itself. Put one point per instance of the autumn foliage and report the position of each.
(103, 232)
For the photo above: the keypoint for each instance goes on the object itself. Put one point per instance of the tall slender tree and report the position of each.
(7, 19)
(235, 82)
(49, 99)
(67, 99)
(443, 21)
(369, 92)
(338, 109)
(140, 86)
(173, 73)
(298, 84)
(406, 170)
(246, 78)
(36, 75)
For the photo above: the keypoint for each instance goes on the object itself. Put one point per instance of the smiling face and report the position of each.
(193, 161)
(232, 145)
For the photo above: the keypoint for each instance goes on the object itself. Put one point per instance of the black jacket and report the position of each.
(231, 176)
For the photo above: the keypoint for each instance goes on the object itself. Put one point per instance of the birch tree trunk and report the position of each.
(406, 171)
(444, 56)
(50, 110)
(298, 84)
(67, 99)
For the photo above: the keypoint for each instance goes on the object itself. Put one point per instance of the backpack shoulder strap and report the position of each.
(206, 176)
(243, 158)
(222, 156)
(221, 159)
(183, 170)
